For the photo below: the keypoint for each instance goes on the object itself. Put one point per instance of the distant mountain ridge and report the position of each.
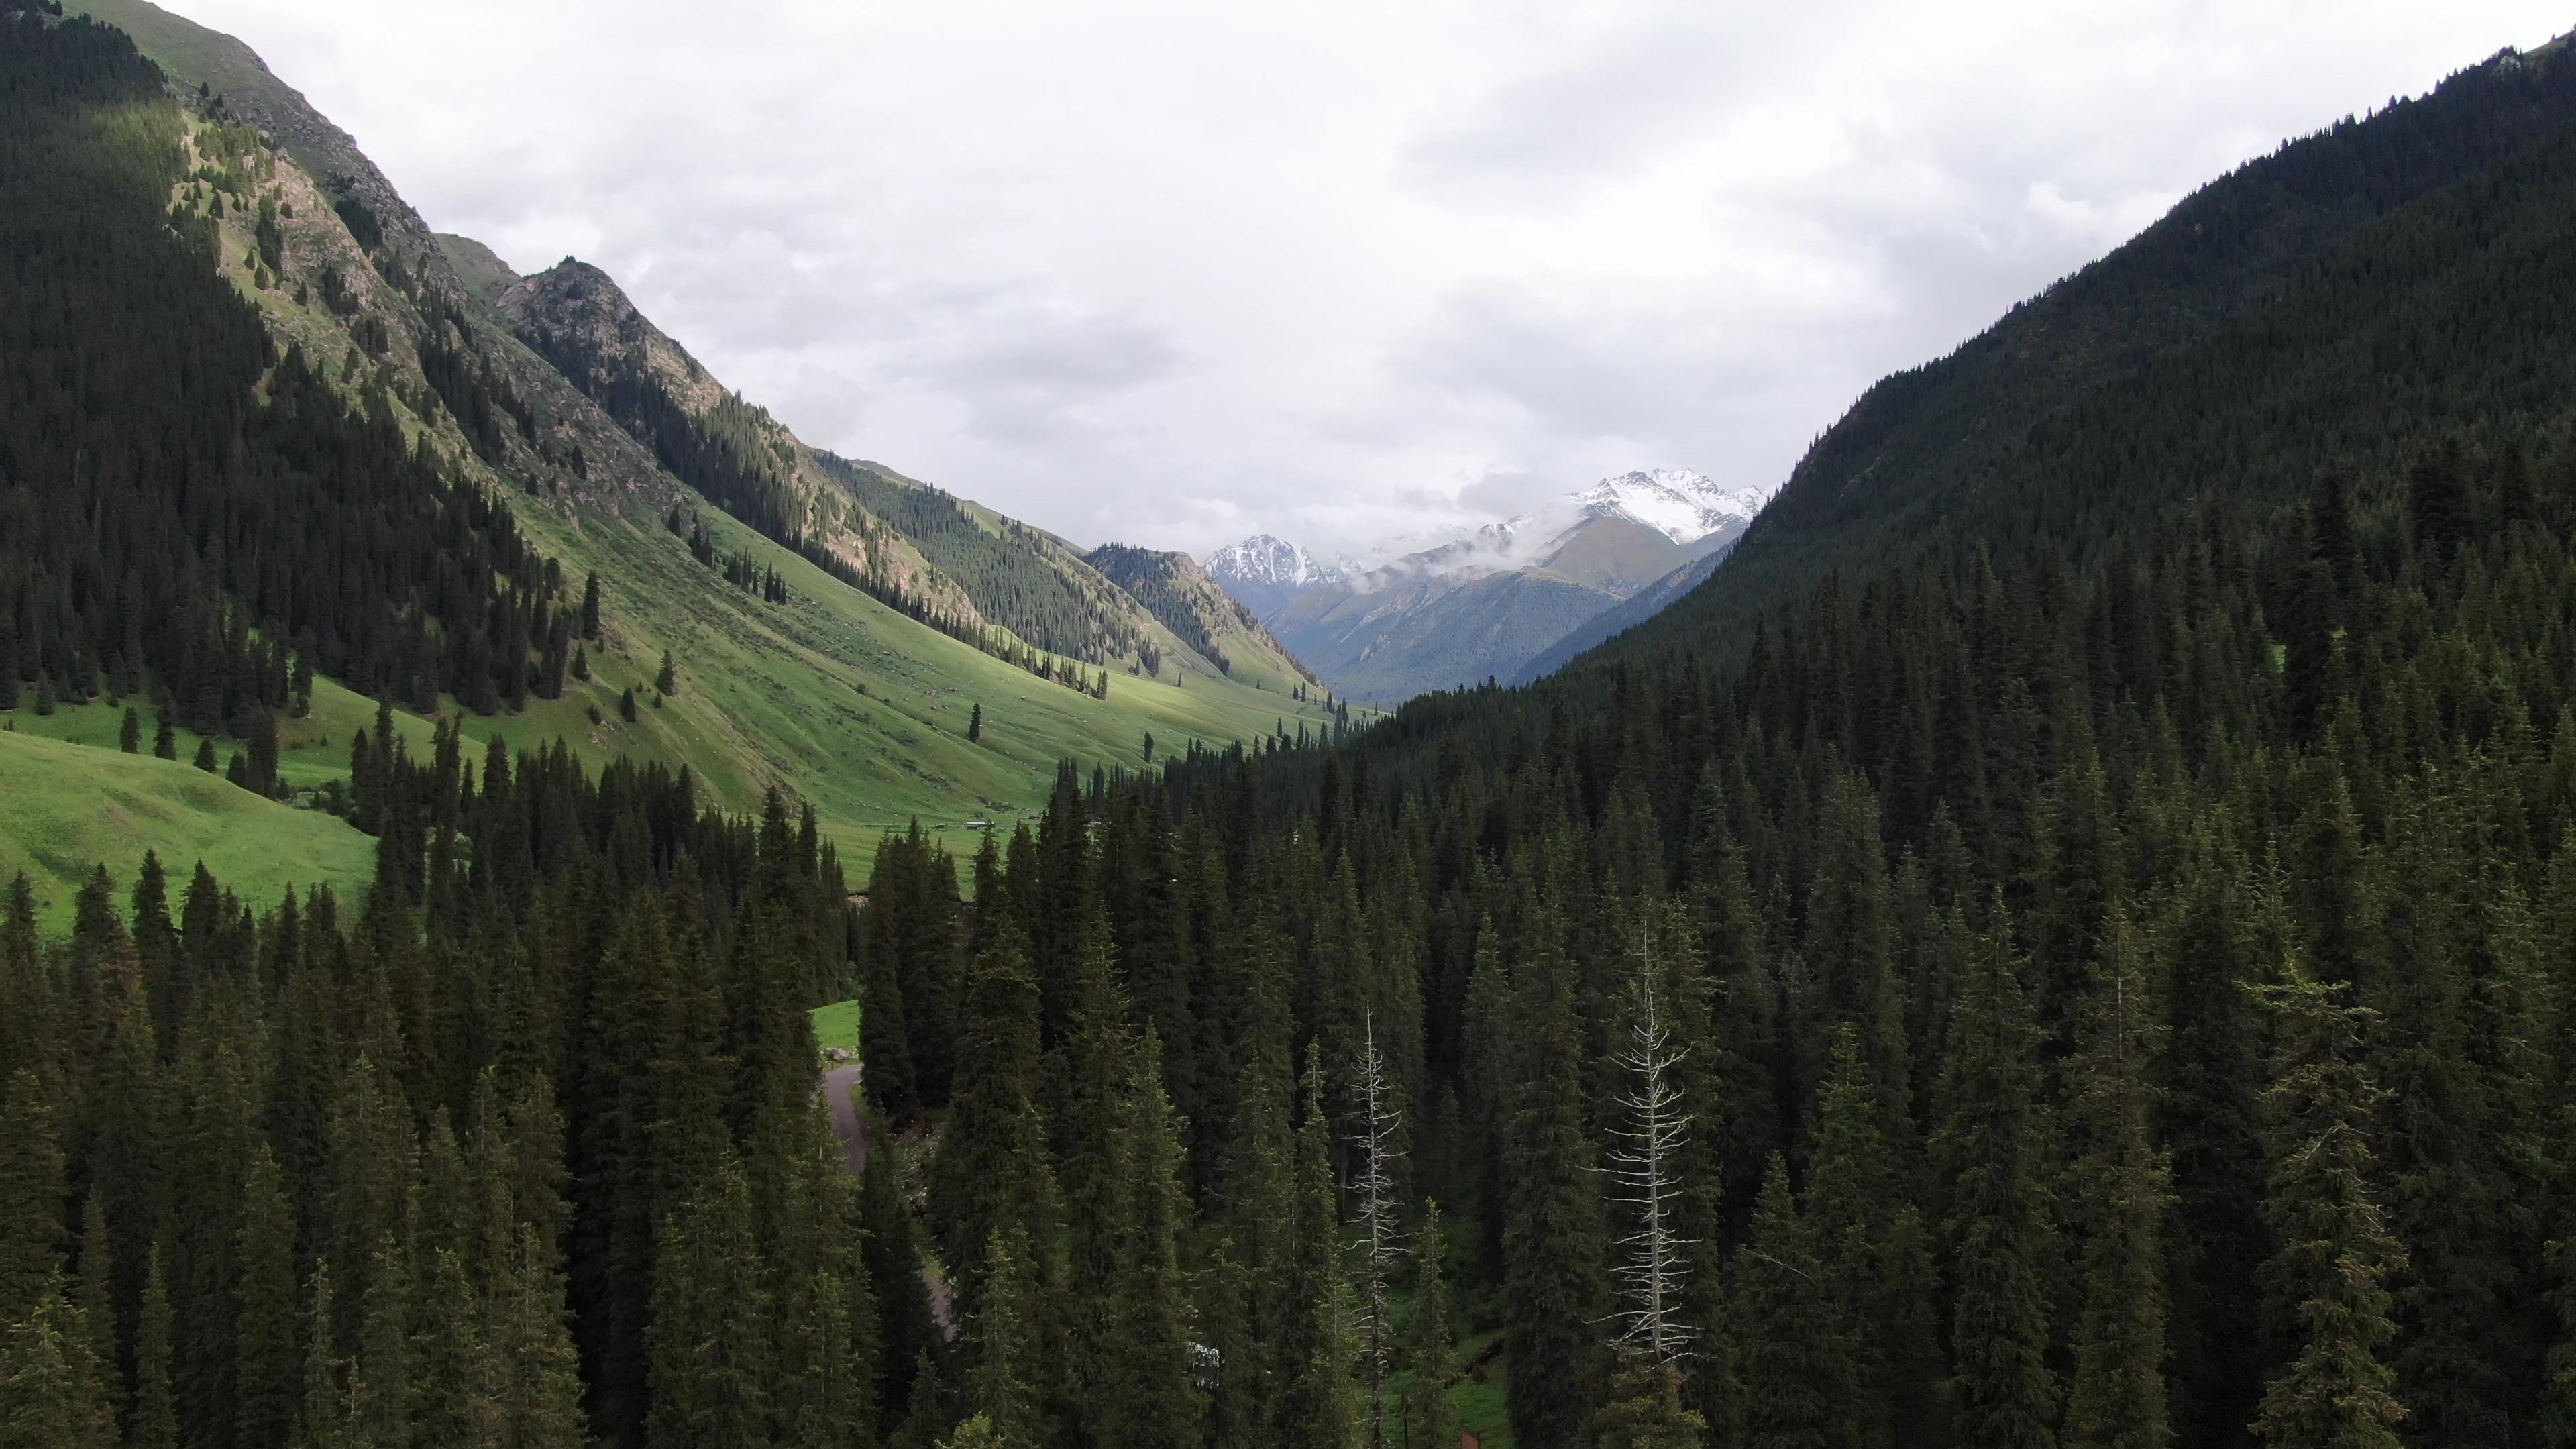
(1486, 601)
(1264, 571)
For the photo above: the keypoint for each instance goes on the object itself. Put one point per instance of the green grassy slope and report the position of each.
(71, 808)
(834, 697)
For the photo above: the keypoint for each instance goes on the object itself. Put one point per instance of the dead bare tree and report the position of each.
(1644, 1173)
(1381, 1240)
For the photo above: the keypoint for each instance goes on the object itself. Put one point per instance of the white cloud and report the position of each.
(1178, 273)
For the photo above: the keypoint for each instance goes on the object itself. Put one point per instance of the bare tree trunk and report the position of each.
(1381, 1241)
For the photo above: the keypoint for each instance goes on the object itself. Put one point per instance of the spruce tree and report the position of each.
(53, 1392)
(1431, 1349)
(2336, 1257)
(710, 1338)
(1314, 1402)
(991, 1167)
(2117, 1398)
(1552, 1244)
(1003, 1391)
(1153, 1403)
(31, 1195)
(153, 1422)
(165, 740)
(975, 723)
(1992, 1148)
(666, 681)
(270, 1364)
(539, 1404)
(129, 735)
(1795, 1361)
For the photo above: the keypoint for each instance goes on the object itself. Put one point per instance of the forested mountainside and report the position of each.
(1177, 591)
(1610, 623)
(2281, 263)
(2106, 976)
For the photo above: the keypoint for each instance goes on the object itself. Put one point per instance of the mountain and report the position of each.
(520, 435)
(1618, 619)
(1264, 572)
(1182, 595)
(2000, 442)
(1484, 602)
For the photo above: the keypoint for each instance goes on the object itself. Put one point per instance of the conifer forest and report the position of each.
(2068, 941)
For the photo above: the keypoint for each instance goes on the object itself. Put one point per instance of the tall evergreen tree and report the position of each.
(710, 1338)
(2117, 1399)
(1993, 1152)
(2336, 1257)
(1553, 1293)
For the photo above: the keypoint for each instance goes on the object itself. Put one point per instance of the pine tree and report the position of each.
(1552, 1236)
(709, 1341)
(1874, 1255)
(626, 705)
(2117, 1399)
(52, 1391)
(269, 1366)
(1430, 1421)
(2336, 1253)
(1314, 1405)
(539, 1403)
(31, 1195)
(990, 1170)
(165, 740)
(454, 1371)
(1992, 1148)
(975, 723)
(666, 681)
(590, 607)
(129, 735)
(154, 1421)
(1644, 1409)
(206, 755)
(1154, 1404)
(329, 1418)
(1003, 1391)
(1796, 1364)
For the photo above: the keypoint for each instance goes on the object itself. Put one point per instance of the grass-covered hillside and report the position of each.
(840, 697)
(71, 808)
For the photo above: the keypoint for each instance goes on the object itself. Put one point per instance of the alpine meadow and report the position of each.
(545, 905)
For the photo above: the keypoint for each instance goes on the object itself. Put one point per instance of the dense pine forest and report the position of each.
(2100, 974)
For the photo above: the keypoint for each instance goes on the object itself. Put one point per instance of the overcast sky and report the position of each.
(1176, 273)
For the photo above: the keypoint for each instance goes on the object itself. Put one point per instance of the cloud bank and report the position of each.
(1175, 274)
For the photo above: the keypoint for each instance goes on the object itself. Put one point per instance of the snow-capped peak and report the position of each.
(1679, 504)
(1264, 559)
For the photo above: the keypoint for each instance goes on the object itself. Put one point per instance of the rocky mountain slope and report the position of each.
(1264, 572)
(1485, 602)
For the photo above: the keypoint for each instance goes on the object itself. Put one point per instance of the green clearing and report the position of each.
(837, 1025)
(70, 809)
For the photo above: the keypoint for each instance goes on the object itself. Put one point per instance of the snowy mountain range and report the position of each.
(1264, 571)
(1435, 610)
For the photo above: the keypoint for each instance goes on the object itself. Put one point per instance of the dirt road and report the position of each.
(840, 1084)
